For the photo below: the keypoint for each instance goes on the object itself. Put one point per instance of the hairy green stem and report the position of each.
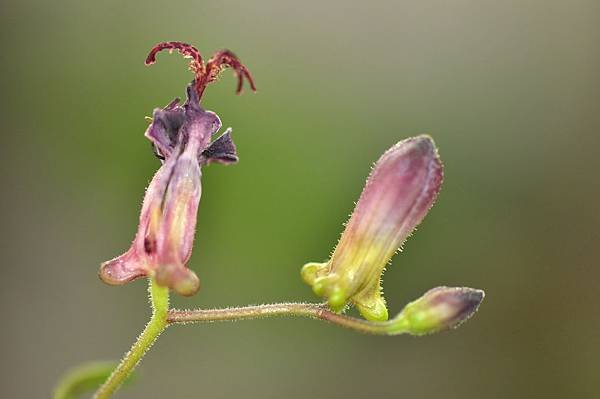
(159, 300)
(162, 317)
(309, 310)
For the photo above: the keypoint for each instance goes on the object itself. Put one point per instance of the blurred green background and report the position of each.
(509, 90)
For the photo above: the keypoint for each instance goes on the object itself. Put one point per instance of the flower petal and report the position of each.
(222, 150)
(122, 269)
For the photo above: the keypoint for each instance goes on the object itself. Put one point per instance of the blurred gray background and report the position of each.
(509, 90)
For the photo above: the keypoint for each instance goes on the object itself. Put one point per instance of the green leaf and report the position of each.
(84, 378)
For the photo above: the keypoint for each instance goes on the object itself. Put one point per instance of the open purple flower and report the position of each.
(181, 136)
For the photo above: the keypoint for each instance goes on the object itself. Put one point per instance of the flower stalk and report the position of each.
(463, 304)
(458, 304)
(159, 302)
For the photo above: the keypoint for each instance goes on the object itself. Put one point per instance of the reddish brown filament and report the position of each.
(206, 74)
(187, 50)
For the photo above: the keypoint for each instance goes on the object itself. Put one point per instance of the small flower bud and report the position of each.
(402, 187)
(439, 309)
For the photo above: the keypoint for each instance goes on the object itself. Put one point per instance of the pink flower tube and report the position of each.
(181, 136)
(398, 194)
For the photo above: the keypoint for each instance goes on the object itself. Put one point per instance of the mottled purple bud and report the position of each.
(438, 309)
(400, 190)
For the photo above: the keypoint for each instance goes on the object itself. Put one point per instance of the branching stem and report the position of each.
(162, 317)
(309, 310)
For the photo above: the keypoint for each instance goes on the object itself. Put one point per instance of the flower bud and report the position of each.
(439, 309)
(402, 187)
